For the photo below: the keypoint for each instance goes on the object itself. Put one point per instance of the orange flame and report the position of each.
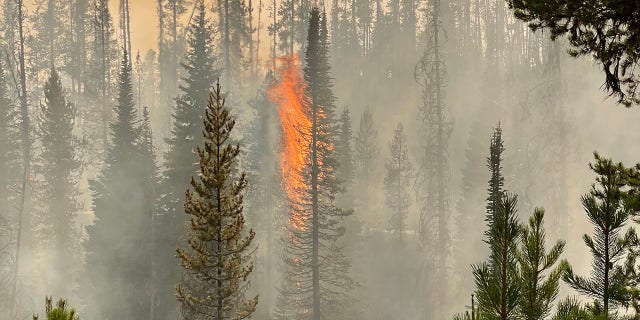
(293, 105)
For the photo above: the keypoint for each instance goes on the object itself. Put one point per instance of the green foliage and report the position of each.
(497, 281)
(186, 135)
(397, 182)
(607, 30)
(123, 205)
(60, 312)
(215, 262)
(59, 166)
(539, 273)
(606, 209)
(571, 309)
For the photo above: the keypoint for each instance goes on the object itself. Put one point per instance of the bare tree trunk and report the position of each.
(26, 153)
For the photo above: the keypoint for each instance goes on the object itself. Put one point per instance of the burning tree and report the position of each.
(316, 279)
(215, 261)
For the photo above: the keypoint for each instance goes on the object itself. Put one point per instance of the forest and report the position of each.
(308, 160)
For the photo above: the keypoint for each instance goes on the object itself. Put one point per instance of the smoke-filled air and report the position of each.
(319, 160)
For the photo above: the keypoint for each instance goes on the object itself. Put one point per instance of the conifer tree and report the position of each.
(433, 187)
(344, 148)
(262, 197)
(366, 148)
(123, 225)
(51, 40)
(497, 280)
(397, 181)
(201, 74)
(469, 214)
(539, 272)
(291, 24)
(316, 281)
(9, 178)
(235, 37)
(60, 168)
(60, 312)
(607, 210)
(215, 262)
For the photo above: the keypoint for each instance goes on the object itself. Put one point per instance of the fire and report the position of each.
(289, 94)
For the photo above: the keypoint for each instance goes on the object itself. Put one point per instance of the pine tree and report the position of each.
(60, 312)
(236, 37)
(433, 193)
(215, 262)
(60, 168)
(607, 210)
(124, 213)
(10, 168)
(366, 145)
(539, 272)
(79, 51)
(497, 280)
(344, 149)
(311, 289)
(291, 24)
(50, 21)
(201, 74)
(397, 182)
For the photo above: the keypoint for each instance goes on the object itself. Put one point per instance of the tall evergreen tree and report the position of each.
(123, 225)
(215, 261)
(201, 74)
(60, 169)
(433, 194)
(344, 149)
(51, 42)
(316, 282)
(9, 180)
(497, 280)
(397, 182)
(235, 40)
(366, 149)
(606, 209)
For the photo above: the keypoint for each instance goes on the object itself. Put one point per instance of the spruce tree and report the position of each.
(235, 37)
(215, 262)
(607, 210)
(316, 281)
(123, 212)
(539, 272)
(344, 149)
(60, 169)
(497, 280)
(397, 182)
(366, 149)
(10, 165)
(201, 74)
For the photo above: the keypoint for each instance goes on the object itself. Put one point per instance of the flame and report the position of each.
(289, 94)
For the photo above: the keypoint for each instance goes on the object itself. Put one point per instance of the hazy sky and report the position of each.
(144, 23)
